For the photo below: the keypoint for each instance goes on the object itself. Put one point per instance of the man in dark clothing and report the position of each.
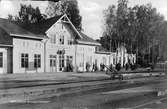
(118, 67)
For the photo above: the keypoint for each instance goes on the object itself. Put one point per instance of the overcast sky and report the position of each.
(90, 10)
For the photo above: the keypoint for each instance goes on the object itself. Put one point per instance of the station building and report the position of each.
(49, 46)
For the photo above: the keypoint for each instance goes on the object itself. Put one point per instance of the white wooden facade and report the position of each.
(60, 39)
(84, 54)
(3, 60)
(30, 54)
(29, 47)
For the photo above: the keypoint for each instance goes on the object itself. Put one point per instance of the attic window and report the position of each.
(61, 39)
(64, 19)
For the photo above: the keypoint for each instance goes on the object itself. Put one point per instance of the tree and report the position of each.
(116, 23)
(69, 7)
(27, 15)
(110, 39)
(122, 20)
(136, 27)
(148, 24)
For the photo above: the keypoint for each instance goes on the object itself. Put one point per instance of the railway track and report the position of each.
(34, 83)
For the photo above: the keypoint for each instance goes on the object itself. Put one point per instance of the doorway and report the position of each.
(53, 67)
(61, 62)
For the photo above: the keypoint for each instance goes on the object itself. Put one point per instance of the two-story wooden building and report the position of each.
(47, 46)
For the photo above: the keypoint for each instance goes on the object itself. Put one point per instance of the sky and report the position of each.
(90, 10)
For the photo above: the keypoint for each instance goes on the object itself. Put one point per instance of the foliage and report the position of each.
(27, 15)
(69, 7)
(137, 27)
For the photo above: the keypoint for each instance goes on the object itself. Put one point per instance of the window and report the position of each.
(53, 39)
(37, 61)
(24, 60)
(52, 60)
(1, 59)
(61, 39)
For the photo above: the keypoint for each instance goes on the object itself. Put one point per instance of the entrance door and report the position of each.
(69, 66)
(61, 62)
(53, 67)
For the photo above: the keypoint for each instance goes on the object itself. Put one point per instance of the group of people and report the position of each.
(94, 67)
(103, 67)
(69, 67)
(130, 66)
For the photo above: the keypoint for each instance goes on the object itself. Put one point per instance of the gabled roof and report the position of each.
(84, 39)
(87, 40)
(41, 27)
(5, 38)
(15, 30)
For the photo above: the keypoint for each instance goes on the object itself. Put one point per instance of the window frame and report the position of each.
(53, 38)
(52, 60)
(1, 59)
(61, 39)
(24, 60)
(37, 60)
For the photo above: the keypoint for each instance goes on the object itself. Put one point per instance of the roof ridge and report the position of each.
(51, 18)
